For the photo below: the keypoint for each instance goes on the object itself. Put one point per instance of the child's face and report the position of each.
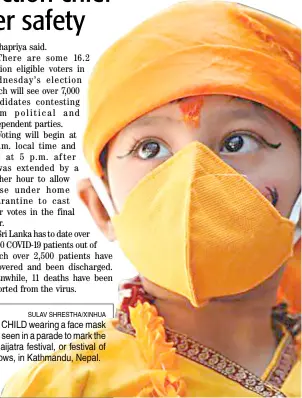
(254, 140)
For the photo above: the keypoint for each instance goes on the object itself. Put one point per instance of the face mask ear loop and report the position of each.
(100, 189)
(295, 216)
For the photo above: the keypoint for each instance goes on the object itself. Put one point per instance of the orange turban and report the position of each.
(194, 48)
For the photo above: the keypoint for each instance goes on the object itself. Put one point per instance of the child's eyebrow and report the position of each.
(247, 113)
(254, 107)
(148, 120)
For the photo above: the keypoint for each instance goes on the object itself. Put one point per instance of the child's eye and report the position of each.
(242, 143)
(151, 149)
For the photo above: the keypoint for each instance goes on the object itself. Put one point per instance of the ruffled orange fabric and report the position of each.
(158, 353)
(193, 48)
(298, 345)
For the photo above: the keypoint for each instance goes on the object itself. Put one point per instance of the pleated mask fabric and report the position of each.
(198, 228)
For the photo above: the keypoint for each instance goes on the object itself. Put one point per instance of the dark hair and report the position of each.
(297, 131)
(103, 157)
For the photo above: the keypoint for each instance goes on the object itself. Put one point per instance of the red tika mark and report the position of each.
(190, 108)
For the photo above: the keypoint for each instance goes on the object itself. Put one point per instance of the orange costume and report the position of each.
(143, 358)
(191, 49)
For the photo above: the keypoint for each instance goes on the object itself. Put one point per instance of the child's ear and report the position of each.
(96, 208)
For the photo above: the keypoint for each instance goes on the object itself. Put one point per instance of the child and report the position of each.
(193, 129)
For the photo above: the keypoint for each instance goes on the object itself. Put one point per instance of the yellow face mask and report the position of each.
(198, 228)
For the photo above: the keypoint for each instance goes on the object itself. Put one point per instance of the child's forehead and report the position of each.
(224, 104)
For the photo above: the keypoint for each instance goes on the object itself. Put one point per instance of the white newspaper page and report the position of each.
(61, 262)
